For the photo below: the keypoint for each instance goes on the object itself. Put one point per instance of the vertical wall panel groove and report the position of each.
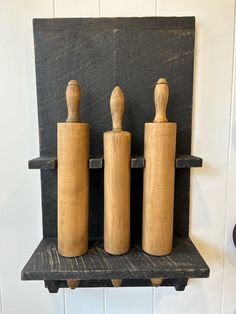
(123, 8)
(104, 301)
(1, 296)
(77, 8)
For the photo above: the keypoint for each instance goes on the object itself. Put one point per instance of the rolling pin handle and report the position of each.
(161, 94)
(73, 101)
(117, 104)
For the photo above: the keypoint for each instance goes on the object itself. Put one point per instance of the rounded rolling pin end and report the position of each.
(117, 105)
(117, 96)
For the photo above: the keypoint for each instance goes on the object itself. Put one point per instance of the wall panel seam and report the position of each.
(54, 8)
(227, 196)
(153, 300)
(64, 301)
(1, 297)
(104, 300)
(99, 8)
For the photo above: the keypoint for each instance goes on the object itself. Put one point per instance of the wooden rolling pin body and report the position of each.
(159, 171)
(73, 178)
(117, 146)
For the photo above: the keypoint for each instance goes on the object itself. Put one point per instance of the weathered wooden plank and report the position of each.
(47, 163)
(47, 264)
(101, 53)
(134, 23)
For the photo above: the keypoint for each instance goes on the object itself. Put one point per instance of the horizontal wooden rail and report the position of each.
(50, 163)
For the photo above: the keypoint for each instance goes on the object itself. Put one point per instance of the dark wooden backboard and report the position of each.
(101, 53)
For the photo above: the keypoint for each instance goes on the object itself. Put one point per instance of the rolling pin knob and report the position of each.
(73, 94)
(117, 104)
(161, 95)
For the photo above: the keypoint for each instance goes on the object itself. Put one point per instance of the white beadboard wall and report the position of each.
(213, 197)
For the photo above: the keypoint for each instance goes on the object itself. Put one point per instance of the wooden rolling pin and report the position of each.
(117, 147)
(159, 172)
(73, 178)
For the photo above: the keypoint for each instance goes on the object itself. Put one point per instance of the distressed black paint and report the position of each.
(182, 161)
(47, 264)
(102, 53)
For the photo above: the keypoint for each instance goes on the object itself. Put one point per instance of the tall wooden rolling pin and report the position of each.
(117, 147)
(159, 172)
(73, 178)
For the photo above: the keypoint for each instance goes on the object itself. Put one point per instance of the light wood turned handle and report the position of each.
(161, 94)
(117, 104)
(72, 283)
(116, 282)
(73, 101)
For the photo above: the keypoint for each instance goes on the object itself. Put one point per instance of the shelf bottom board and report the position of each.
(46, 264)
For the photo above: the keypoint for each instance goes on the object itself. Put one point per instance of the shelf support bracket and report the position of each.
(180, 284)
(51, 285)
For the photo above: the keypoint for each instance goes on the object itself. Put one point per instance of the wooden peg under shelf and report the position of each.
(72, 283)
(156, 282)
(116, 282)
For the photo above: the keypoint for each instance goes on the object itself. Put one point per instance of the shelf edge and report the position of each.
(137, 162)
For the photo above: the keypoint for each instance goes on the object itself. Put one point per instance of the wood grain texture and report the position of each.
(117, 148)
(73, 95)
(158, 187)
(73, 188)
(73, 178)
(158, 177)
(161, 96)
(47, 264)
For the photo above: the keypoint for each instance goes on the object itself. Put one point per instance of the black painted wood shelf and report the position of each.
(50, 163)
(96, 268)
(101, 53)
